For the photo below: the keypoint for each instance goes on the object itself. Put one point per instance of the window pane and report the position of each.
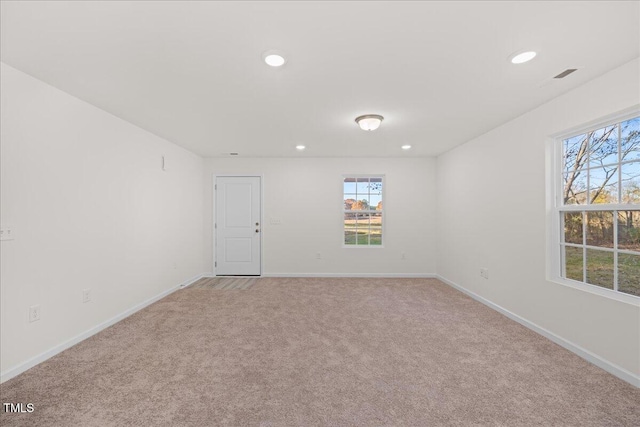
(631, 183)
(630, 139)
(629, 230)
(629, 274)
(349, 237)
(348, 202)
(575, 188)
(363, 231)
(600, 268)
(575, 153)
(375, 186)
(603, 185)
(362, 187)
(573, 266)
(350, 219)
(573, 227)
(376, 229)
(350, 229)
(603, 146)
(600, 229)
(376, 202)
(360, 205)
(349, 187)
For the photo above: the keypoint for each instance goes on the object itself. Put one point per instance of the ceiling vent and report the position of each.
(565, 73)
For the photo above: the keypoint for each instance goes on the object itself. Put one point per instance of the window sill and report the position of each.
(593, 289)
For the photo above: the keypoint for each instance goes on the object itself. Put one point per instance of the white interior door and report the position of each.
(238, 228)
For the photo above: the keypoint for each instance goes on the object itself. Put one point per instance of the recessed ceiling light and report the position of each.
(369, 121)
(406, 147)
(274, 58)
(300, 147)
(522, 57)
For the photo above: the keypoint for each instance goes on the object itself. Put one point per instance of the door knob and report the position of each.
(257, 231)
(257, 224)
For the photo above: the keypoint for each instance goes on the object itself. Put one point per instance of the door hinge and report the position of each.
(215, 225)
(215, 186)
(215, 264)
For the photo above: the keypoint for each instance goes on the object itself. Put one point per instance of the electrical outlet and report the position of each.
(318, 255)
(175, 266)
(484, 272)
(7, 233)
(34, 313)
(86, 295)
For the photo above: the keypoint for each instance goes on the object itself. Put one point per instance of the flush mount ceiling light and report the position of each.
(406, 147)
(300, 147)
(274, 58)
(369, 121)
(522, 57)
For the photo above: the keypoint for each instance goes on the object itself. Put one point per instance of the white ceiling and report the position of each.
(192, 72)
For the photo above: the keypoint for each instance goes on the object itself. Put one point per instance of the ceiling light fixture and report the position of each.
(369, 121)
(274, 58)
(300, 147)
(522, 57)
(406, 147)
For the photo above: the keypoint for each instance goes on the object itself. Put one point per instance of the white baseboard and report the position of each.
(612, 368)
(17, 370)
(382, 275)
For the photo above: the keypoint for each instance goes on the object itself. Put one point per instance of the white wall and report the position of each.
(305, 194)
(492, 213)
(91, 208)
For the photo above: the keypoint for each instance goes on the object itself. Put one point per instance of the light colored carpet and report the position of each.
(314, 352)
(225, 283)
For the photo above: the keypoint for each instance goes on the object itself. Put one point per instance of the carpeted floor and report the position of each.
(313, 352)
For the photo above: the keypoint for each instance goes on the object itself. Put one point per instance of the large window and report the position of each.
(598, 206)
(362, 210)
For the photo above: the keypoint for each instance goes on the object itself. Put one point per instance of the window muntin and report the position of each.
(599, 207)
(362, 210)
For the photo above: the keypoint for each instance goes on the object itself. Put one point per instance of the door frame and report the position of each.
(214, 214)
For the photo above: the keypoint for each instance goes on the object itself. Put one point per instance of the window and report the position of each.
(362, 210)
(598, 206)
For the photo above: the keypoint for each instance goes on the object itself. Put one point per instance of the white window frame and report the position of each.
(555, 208)
(343, 211)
